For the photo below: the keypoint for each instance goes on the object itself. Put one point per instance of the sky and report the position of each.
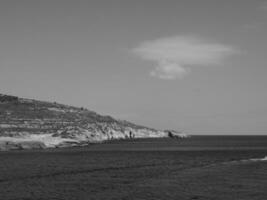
(198, 66)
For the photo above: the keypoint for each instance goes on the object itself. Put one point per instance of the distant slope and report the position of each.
(25, 121)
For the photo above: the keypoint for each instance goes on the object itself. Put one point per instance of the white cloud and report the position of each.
(175, 56)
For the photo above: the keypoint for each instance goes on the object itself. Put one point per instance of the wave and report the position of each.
(247, 160)
(257, 159)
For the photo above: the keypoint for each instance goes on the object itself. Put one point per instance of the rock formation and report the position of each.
(24, 121)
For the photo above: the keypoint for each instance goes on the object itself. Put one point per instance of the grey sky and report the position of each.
(180, 64)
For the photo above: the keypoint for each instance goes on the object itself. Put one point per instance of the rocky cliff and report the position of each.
(26, 123)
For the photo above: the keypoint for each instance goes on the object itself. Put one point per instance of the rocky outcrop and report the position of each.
(176, 134)
(54, 125)
(12, 145)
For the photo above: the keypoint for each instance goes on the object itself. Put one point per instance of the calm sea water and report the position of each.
(200, 167)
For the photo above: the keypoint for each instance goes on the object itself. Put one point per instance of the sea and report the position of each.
(194, 168)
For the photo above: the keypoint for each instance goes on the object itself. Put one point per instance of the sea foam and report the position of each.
(257, 159)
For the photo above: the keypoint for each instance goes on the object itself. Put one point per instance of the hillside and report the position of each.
(27, 123)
